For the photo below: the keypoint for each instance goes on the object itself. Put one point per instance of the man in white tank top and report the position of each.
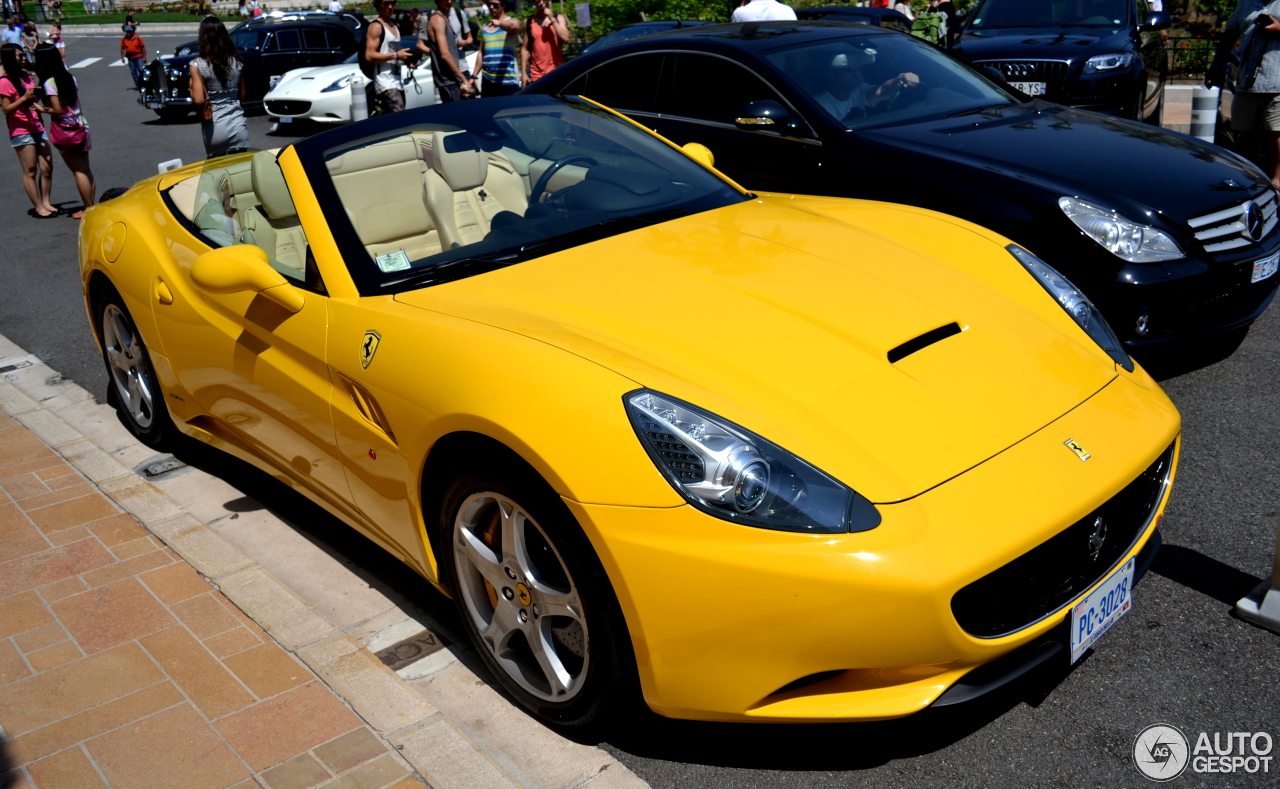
(382, 49)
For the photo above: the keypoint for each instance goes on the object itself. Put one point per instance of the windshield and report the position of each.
(868, 81)
(463, 188)
(1050, 13)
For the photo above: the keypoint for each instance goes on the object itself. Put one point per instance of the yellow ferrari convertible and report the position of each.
(747, 457)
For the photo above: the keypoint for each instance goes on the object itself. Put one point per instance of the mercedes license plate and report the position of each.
(1030, 88)
(1095, 614)
(1265, 268)
(286, 119)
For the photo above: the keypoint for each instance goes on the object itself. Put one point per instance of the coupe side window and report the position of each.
(628, 84)
(711, 89)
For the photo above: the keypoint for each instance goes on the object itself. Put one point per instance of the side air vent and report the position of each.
(923, 341)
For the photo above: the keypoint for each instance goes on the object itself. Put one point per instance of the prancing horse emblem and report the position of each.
(1097, 537)
(1080, 451)
(368, 347)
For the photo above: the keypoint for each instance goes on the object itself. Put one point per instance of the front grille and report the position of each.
(1051, 575)
(282, 107)
(1051, 71)
(1238, 226)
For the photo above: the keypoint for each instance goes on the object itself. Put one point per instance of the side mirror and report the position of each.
(699, 153)
(242, 268)
(766, 115)
(1157, 20)
(994, 73)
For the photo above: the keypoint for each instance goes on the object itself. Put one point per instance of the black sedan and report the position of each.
(1101, 55)
(1170, 237)
(630, 32)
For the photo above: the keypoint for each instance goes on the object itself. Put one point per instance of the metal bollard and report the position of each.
(359, 102)
(1262, 606)
(1204, 112)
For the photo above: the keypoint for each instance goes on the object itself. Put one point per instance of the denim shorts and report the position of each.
(27, 139)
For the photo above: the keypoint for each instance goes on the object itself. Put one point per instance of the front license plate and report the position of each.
(286, 120)
(155, 105)
(1095, 614)
(1030, 88)
(1265, 268)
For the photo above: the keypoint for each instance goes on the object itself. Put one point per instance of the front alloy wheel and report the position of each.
(519, 597)
(133, 390)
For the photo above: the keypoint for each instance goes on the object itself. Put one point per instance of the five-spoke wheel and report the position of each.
(134, 389)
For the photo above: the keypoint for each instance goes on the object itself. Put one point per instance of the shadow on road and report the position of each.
(1205, 575)
(9, 776)
(1186, 357)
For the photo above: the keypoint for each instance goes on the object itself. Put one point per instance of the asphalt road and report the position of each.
(1178, 658)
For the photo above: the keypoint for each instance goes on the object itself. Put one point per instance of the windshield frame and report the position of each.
(976, 13)
(364, 272)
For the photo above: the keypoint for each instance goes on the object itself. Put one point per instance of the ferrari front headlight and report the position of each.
(731, 473)
(1125, 239)
(1075, 303)
(1108, 62)
(338, 84)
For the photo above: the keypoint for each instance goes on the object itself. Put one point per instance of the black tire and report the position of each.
(132, 387)
(1156, 118)
(607, 683)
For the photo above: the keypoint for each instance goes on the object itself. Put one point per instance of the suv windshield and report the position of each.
(1050, 13)
(868, 81)
(471, 186)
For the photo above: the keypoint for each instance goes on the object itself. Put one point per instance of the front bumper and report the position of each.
(332, 107)
(156, 102)
(723, 617)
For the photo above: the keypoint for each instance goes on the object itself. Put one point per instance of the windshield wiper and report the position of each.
(977, 110)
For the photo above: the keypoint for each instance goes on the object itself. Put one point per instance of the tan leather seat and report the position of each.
(466, 187)
(381, 188)
(273, 226)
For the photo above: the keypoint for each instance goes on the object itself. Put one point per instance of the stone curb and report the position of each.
(431, 744)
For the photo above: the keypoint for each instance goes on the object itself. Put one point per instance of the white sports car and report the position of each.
(323, 93)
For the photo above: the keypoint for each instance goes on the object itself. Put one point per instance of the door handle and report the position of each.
(163, 294)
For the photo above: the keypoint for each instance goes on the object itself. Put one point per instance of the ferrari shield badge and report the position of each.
(1070, 442)
(368, 347)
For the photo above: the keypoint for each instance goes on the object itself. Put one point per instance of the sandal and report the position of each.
(77, 215)
(32, 212)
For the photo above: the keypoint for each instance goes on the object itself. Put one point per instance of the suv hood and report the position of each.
(1121, 164)
(1021, 43)
(778, 314)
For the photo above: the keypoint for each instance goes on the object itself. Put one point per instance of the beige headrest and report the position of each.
(459, 160)
(269, 186)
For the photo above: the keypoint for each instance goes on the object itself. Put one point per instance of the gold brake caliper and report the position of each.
(492, 538)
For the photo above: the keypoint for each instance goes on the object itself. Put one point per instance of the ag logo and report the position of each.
(1161, 752)
(1080, 451)
(368, 347)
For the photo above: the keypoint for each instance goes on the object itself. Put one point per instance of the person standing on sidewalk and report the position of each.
(499, 40)
(68, 130)
(1255, 104)
(26, 132)
(217, 88)
(452, 80)
(382, 50)
(544, 35)
(133, 50)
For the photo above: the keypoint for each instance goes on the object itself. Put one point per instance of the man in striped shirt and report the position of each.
(499, 41)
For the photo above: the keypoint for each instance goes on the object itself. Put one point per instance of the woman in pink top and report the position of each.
(544, 34)
(26, 133)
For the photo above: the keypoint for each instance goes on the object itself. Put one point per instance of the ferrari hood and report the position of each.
(313, 79)
(780, 315)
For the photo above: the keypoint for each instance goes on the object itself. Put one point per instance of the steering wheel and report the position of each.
(549, 173)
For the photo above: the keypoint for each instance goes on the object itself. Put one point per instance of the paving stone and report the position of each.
(13, 401)
(102, 618)
(60, 482)
(408, 782)
(232, 643)
(293, 623)
(128, 550)
(200, 546)
(350, 749)
(63, 588)
(48, 475)
(117, 529)
(126, 569)
(68, 536)
(49, 428)
(54, 656)
(380, 697)
(212, 688)
(267, 670)
(24, 486)
(55, 564)
(204, 615)
(18, 448)
(372, 775)
(54, 496)
(282, 727)
(300, 772)
(39, 638)
(46, 461)
(12, 666)
(69, 769)
(70, 689)
(141, 499)
(56, 736)
(448, 760)
(175, 583)
(66, 514)
(18, 537)
(23, 612)
(93, 462)
(170, 749)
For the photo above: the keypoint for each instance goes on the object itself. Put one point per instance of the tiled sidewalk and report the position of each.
(120, 666)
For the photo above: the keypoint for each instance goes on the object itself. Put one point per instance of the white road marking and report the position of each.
(85, 63)
(117, 63)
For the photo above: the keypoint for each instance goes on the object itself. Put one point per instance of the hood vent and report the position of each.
(923, 341)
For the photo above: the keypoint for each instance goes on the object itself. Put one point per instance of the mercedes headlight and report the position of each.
(730, 472)
(1109, 62)
(1075, 303)
(1125, 239)
(339, 84)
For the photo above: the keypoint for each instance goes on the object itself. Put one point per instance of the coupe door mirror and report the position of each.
(1157, 20)
(699, 153)
(766, 115)
(244, 268)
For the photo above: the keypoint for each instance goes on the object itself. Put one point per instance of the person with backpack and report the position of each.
(380, 60)
(68, 130)
(442, 43)
(544, 35)
(21, 105)
(496, 65)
